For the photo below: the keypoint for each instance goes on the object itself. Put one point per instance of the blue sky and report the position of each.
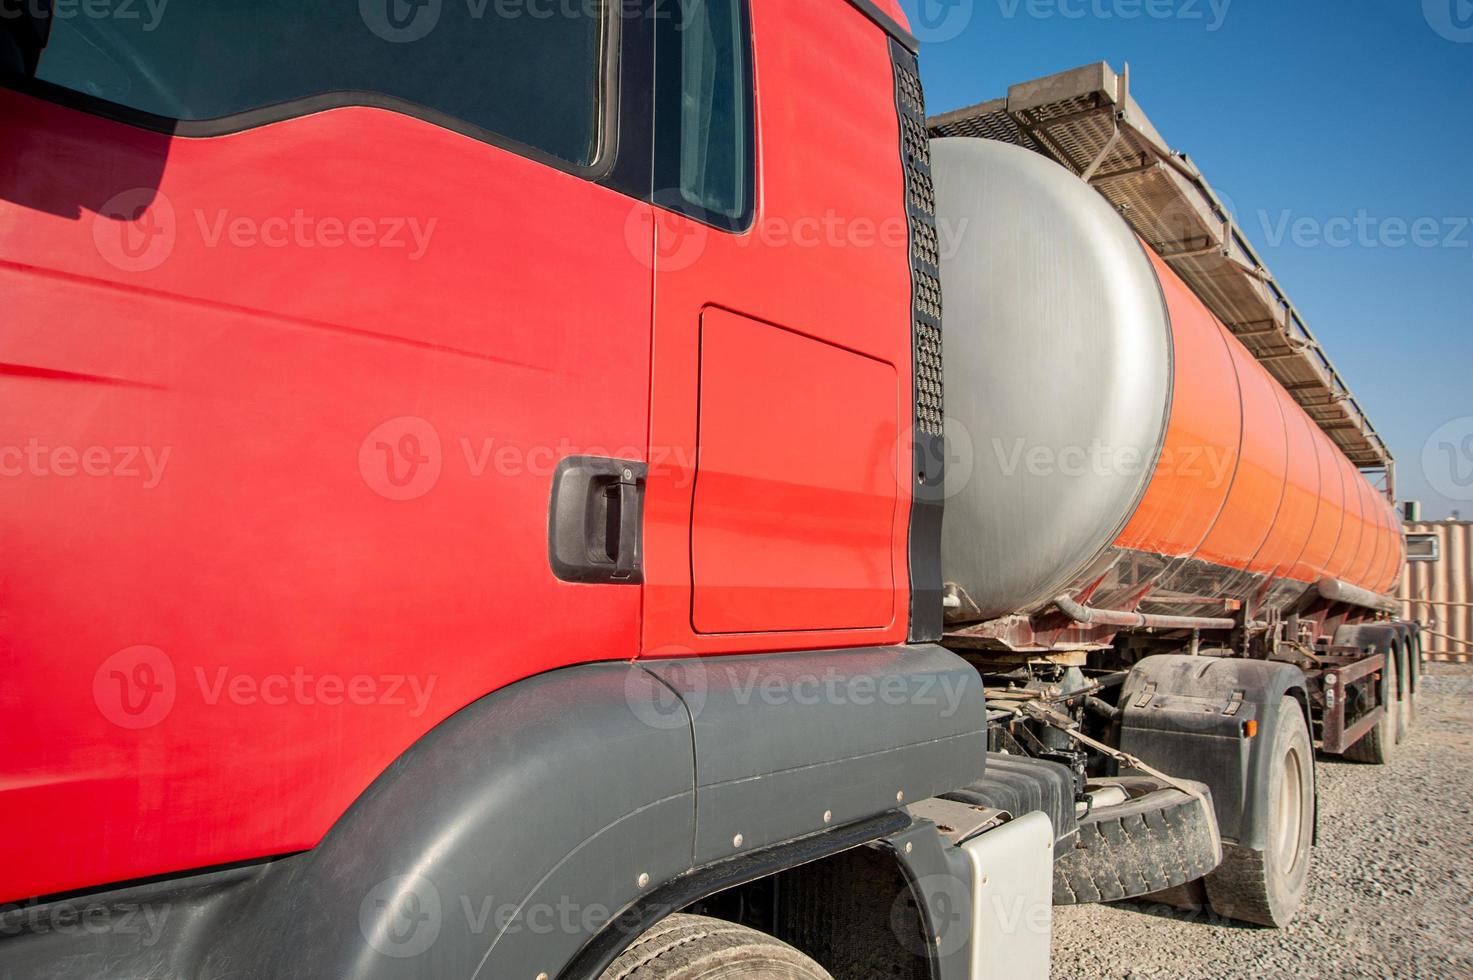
(1358, 110)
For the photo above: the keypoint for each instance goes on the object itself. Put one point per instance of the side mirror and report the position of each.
(25, 27)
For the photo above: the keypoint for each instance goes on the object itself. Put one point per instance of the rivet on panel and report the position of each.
(644, 881)
(737, 840)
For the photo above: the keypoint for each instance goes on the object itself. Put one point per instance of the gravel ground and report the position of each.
(1391, 888)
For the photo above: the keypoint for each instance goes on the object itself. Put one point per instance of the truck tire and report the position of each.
(1403, 685)
(693, 947)
(1267, 887)
(1377, 746)
(1411, 678)
(1159, 838)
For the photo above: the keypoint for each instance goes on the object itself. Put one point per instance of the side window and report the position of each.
(502, 69)
(705, 117)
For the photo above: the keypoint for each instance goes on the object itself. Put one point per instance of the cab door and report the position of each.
(777, 512)
(303, 308)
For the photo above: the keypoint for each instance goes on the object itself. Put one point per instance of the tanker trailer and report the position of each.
(1173, 580)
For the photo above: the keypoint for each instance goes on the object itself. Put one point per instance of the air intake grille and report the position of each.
(928, 442)
(925, 252)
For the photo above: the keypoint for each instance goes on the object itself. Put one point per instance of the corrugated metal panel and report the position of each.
(1440, 593)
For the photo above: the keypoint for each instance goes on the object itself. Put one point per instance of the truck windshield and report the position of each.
(525, 71)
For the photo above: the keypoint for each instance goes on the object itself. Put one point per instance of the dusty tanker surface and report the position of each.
(1391, 892)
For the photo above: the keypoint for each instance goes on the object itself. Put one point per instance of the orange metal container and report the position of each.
(1247, 482)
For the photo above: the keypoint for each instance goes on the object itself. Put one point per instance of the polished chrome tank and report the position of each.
(1058, 374)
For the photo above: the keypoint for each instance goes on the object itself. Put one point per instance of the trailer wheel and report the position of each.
(1160, 837)
(1377, 746)
(1412, 678)
(1267, 887)
(1403, 690)
(692, 947)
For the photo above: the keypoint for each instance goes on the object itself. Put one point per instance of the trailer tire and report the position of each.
(1403, 690)
(693, 947)
(1378, 745)
(1267, 887)
(1160, 838)
(1411, 678)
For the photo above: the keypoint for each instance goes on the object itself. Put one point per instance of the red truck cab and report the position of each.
(399, 393)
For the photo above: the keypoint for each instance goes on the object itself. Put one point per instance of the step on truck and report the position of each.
(489, 491)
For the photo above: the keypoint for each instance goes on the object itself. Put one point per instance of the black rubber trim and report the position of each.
(927, 423)
(706, 881)
(940, 879)
(307, 105)
(889, 24)
(768, 768)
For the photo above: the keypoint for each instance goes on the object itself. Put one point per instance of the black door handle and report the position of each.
(596, 523)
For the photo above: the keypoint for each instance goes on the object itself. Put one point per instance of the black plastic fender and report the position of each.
(530, 823)
(1187, 716)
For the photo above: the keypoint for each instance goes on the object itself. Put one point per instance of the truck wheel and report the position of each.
(1403, 691)
(1376, 746)
(1266, 887)
(1413, 675)
(692, 947)
(1160, 837)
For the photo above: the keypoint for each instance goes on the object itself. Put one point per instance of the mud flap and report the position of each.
(1189, 716)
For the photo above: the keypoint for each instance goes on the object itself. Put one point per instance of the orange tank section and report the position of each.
(1238, 537)
(1299, 510)
(1330, 518)
(1365, 553)
(1200, 453)
(1246, 480)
